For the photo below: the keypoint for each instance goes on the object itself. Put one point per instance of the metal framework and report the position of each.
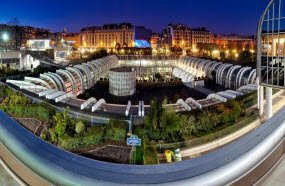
(228, 75)
(271, 53)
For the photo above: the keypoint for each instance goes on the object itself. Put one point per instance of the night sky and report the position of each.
(219, 16)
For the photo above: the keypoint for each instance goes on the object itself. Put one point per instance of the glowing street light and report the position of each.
(5, 37)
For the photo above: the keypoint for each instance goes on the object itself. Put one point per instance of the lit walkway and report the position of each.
(6, 179)
(277, 177)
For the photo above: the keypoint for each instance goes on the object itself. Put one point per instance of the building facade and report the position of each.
(200, 35)
(228, 42)
(122, 81)
(108, 36)
(180, 35)
(155, 40)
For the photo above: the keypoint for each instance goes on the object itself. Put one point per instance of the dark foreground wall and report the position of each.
(225, 166)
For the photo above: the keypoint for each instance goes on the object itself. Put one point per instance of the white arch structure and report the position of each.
(194, 102)
(228, 75)
(87, 102)
(77, 79)
(217, 97)
(183, 104)
(98, 104)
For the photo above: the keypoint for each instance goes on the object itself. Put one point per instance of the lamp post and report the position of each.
(5, 38)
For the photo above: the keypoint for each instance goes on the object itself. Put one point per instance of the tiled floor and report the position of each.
(277, 178)
(6, 179)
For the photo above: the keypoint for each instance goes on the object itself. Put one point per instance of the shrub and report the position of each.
(150, 155)
(79, 127)
(93, 137)
(115, 130)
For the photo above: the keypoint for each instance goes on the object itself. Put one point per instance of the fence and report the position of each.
(91, 119)
(209, 137)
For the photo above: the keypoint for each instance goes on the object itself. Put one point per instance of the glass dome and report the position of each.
(271, 45)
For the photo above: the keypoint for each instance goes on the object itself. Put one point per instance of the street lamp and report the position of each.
(5, 38)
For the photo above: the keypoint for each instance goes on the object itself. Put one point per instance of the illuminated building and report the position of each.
(141, 33)
(154, 40)
(38, 44)
(179, 35)
(200, 35)
(74, 38)
(227, 42)
(108, 36)
(122, 81)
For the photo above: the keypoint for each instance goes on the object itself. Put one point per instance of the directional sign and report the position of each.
(134, 141)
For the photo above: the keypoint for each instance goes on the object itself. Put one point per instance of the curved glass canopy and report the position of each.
(271, 45)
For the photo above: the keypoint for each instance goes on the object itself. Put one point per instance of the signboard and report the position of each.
(134, 141)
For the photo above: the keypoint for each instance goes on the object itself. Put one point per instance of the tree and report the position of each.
(97, 55)
(170, 125)
(158, 76)
(80, 127)
(17, 30)
(115, 130)
(245, 57)
(188, 127)
(223, 56)
(62, 120)
(161, 123)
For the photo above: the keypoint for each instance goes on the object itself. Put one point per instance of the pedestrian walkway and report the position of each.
(277, 177)
(6, 179)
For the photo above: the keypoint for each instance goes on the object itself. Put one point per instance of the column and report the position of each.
(260, 100)
(268, 102)
(258, 91)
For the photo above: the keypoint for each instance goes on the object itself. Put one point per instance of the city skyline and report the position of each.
(226, 17)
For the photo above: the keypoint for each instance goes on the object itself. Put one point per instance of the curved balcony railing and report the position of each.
(227, 165)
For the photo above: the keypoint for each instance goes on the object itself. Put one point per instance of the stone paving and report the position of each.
(6, 179)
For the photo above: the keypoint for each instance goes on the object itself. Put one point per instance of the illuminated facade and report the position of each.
(107, 36)
(74, 80)
(38, 44)
(227, 75)
(234, 42)
(122, 81)
(200, 35)
(179, 35)
(271, 52)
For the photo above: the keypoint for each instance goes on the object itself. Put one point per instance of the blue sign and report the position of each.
(134, 141)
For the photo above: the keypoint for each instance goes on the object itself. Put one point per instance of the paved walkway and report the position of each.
(6, 179)
(277, 177)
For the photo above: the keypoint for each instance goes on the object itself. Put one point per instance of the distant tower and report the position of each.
(270, 54)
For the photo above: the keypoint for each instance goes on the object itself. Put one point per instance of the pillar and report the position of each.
(260, 100)
(268, 102)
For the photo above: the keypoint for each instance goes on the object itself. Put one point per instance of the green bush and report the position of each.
(115, 130)
(150, 154)
(93, 137)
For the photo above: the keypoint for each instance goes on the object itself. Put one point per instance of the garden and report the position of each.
(63, 130)
(163, 128)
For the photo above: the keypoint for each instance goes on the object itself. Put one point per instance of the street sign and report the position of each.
(133, 140)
